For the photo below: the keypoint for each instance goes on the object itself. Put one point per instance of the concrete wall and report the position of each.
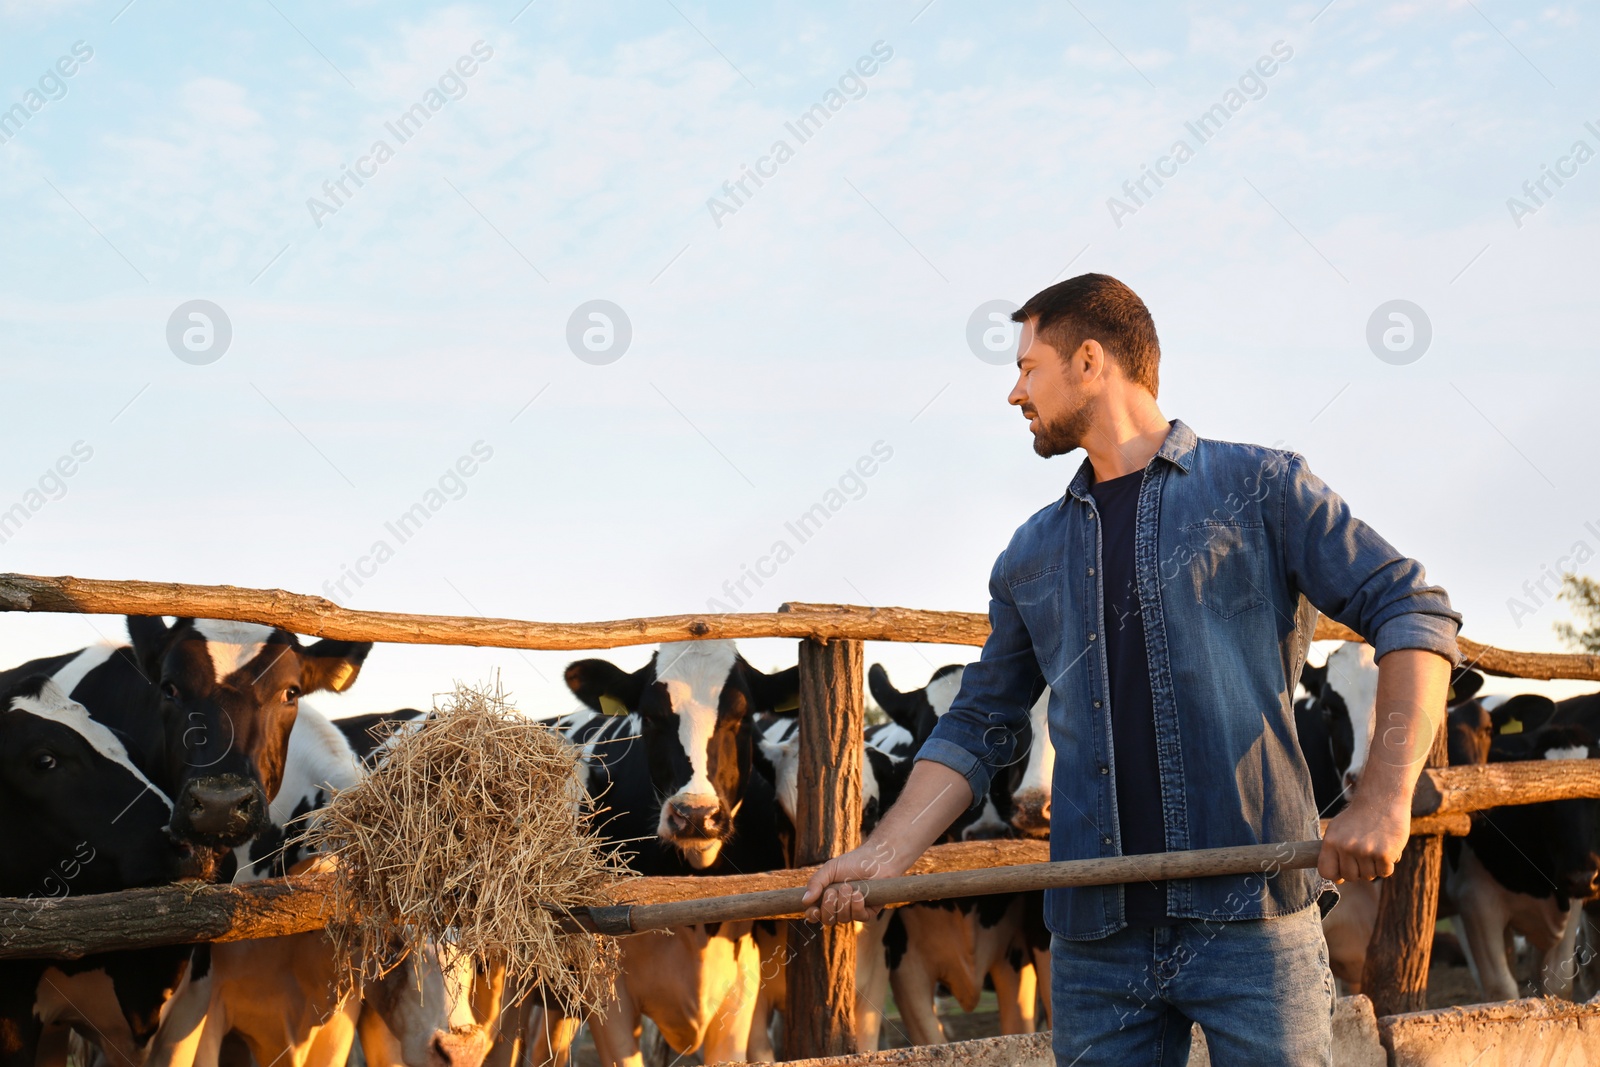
(1355, 1044)
(1540, 1032)
(1025, 1050)
(1515, 1033)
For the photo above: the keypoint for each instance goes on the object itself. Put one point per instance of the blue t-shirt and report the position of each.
(1133, 723)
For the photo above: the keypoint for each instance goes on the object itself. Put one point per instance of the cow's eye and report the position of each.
(169, 690)
(291, 694)
(44, 761)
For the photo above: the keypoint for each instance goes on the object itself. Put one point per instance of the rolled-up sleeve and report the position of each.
(980, 732)
(1354, 576)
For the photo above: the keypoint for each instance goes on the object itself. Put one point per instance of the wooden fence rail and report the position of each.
(72, 927)
(315, 616)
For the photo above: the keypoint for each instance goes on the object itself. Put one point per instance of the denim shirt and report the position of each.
(1236, 548)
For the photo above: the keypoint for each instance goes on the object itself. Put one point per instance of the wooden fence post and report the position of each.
(820, 1015)
(1396, 972)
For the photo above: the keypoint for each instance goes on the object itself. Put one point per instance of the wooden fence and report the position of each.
(821, 1001)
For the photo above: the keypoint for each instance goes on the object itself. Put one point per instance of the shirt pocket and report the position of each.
(1038, 599)
(1227, 566)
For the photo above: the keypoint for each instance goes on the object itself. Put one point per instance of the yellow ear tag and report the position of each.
(1512, 726)
(788, 705)
(341, 678)
(612, 706)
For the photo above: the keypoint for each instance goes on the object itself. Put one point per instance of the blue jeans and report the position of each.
(1259, 988)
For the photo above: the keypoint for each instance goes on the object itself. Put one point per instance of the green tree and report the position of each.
(1584, 596)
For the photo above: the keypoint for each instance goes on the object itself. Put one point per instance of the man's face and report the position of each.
(1058, 410)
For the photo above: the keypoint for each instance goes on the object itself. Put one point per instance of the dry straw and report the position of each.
(471, 832)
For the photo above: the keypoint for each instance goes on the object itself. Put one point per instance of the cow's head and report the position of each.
(1473, 726)
(1030, 802)
(695, 700)
(916, 710)
(228, 695)
(439, 1007)
(1345, 691)
(777, 755)
(76, 815)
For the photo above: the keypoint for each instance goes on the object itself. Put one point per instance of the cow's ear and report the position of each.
(894, 703)
(1522, 714)
(778, 692)
(604, 686)
(150, 636)
(332, 665)
(1312, 678)
(1464, 685)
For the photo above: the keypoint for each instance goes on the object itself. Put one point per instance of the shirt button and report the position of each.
(1091, 572)
(1097, 703)
(1105, 770)
(1105, 840)
(1093, 636)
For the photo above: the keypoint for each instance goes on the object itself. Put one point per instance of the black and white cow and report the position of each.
(205, 708)
(1525, 868)
(668, 761)
(882, 778)
(1019, 794)
(959, 943)
(1529, 868)
(1336, 720)
(676, 768)
(76, 816)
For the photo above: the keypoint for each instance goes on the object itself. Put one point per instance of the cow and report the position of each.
(1529, 868)
(958, 943)
(205, 708)
(1019, 795)
(1336, 720)
(1524, 867)
(691, 709)
(667, 757)
(282, 995)
(882, 777)
(77, 816)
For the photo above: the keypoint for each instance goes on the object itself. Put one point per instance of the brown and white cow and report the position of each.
(284, 995)
(203, 709)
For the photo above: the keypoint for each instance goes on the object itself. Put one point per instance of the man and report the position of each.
(1168, 599)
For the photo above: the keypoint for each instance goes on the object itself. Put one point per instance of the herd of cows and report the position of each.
(187, 754)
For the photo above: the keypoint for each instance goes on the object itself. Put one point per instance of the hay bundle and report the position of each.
(467, 834)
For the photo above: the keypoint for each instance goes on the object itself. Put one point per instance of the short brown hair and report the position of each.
(1098, 307)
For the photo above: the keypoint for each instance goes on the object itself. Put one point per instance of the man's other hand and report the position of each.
(830, 898)
(1364, 842)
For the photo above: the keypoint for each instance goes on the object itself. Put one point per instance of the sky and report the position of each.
(398, 219)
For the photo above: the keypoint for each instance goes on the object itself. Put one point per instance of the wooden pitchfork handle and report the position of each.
(620, 919)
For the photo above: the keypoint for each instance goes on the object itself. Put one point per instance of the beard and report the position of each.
(1067, 432)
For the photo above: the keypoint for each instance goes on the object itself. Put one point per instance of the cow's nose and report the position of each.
(221, 810)
(1032, 813)
(458, 1048)
(1584, 884)
(700, 816)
